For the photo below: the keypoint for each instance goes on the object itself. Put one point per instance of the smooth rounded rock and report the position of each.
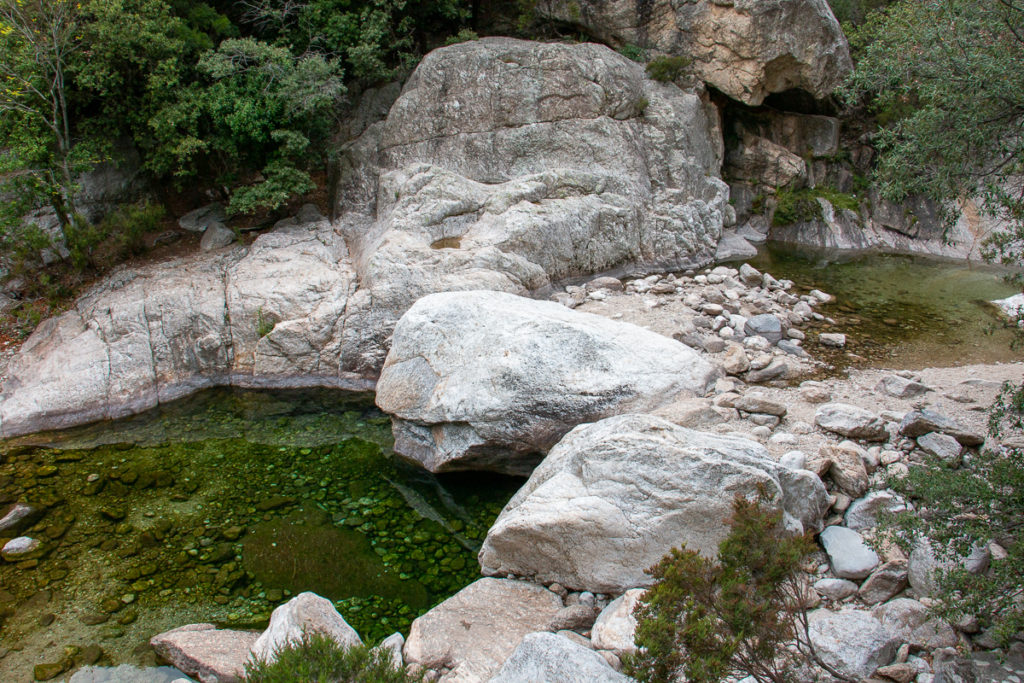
(849, 556)
(551, 657)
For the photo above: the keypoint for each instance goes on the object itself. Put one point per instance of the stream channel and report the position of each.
(218, 507)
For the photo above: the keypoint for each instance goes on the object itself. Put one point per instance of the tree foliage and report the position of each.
(743, 614)
(946, 78)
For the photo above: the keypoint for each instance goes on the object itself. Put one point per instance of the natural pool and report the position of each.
(217, 508)
(903, 312)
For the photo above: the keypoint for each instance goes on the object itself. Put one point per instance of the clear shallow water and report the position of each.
(220, 506)
(901, 311)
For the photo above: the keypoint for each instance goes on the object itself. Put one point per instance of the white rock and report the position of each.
(615, 627)
(538, 370)
(835, 340)
(613, 497)
(851, 421)
(835, 589)
(849, 556)
(911, 622)
(863, 513)
(474, 631)
(545, 657)
(205, 652)
(305, 613)
(853, 642)
(942, 446)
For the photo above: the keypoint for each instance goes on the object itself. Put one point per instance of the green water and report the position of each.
(901, 311)
(220, 506)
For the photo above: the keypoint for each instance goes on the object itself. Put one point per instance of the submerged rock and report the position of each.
(613, 497)
(485, 380)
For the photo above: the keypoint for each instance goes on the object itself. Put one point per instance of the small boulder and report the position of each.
(849, 556)
(863, 513)
(473, 632)
(851, 421)
(900, 387)
(942, 446)
(885, 582)
(911, 622)
(847, 468)
(757, 402)
(615, 627)
(765, 325)
(199, 219)
(22, 548)
(19, 516)
(919, 422)
(749, 275)
(205, 652)
(305, 613)
(833, 339)
(735, 361)
(552, 657)
(835, 589)
(217, 236)
(852, 642)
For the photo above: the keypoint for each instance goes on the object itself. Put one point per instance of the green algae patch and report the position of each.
(221, 506)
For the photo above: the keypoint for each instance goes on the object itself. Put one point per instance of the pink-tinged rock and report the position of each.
(205, 652)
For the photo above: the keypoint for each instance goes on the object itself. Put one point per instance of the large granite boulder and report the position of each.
(613, 497)
(503, 165)
(852, 642)
(473, 632)
(746, 48)
(486, 380)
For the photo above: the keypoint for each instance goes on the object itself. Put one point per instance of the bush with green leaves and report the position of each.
(740, 615)
(317, 658)
(799, 206)
(959, 510)
(666, 68)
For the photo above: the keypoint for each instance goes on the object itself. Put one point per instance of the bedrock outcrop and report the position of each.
(490, 381)
(613, 497)
(504, 165)
(746, 49)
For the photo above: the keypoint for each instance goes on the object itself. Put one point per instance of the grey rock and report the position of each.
(923, 566)
(758, 402)
(614, 496)
(832, 339)
(126, 673)
(21, 548)
(19, 516)
(305, 613)
(522, 392)
(216, 236)
(551, 658)
(615, 627)
(847, 553)
(777, 369)
(863, 513)
(911, 622)
(200, 219)
(919, 422)
(793, 349)
(205, 652)
(573, 617)
(746, 49)
(733, 247)
(765, 325)
(900, 387)
(473, 632)
(794, 460)
(847, 468)
(749, 275)
(851, 421)
(944, 447)
(835, 589)
(853, 642)
(885, 582)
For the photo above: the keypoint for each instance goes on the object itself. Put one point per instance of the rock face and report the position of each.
(305, 613)
(747, 48)
(205, 652)
(504, 165)
(551, 657)
(474, 631)
(485, 380)
(613, 497)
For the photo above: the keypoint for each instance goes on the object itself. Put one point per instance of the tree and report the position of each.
(743, 614)
(37, 40)
(946, 78)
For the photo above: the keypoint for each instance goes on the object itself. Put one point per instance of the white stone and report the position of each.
(848, 554)
(615, 627)
(305, 613)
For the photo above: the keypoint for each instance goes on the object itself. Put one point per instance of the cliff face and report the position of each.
(747, 49)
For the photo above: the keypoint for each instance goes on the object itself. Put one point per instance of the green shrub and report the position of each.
(264, 325)
(666, 68)
(640, 106)
(711, 619)
(958, 510)
(319, 659)
(801, 206)
(633, 52)
(463, 36)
